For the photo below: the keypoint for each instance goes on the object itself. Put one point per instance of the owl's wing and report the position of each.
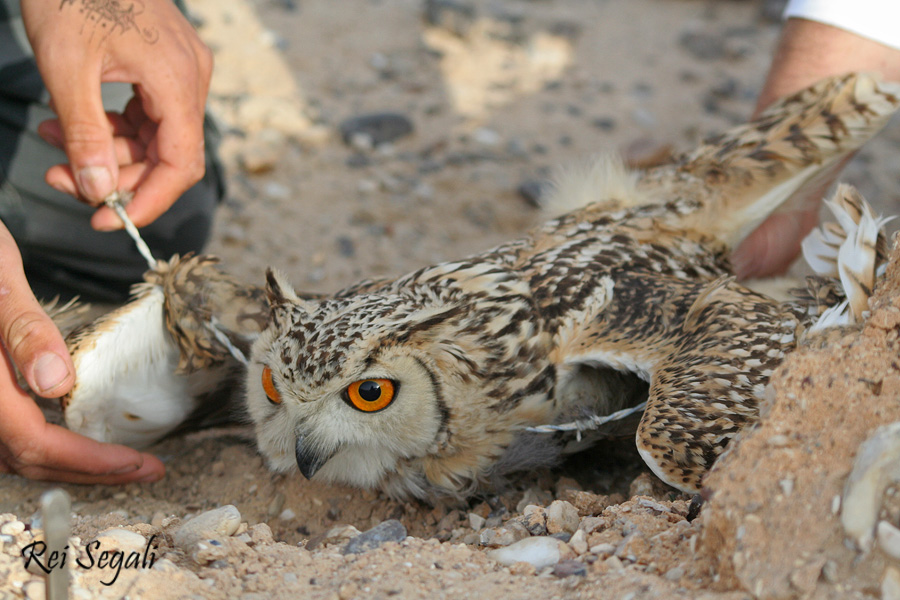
(741, 177)
(705, 349)
(708, 350)
(144, 369)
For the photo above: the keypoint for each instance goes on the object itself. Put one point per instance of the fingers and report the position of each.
(86, 133)
(28, 334)
(31, 447)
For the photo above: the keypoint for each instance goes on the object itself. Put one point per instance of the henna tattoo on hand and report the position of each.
(114, 16)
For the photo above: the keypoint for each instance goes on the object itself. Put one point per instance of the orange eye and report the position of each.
(269, 386)
(370, 395)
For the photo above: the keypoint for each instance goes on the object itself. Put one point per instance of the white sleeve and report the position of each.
(878, 20)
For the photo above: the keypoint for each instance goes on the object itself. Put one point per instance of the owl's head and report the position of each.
(347, 388)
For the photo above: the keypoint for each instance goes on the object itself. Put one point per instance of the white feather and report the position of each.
(605, 178)
(126, 390)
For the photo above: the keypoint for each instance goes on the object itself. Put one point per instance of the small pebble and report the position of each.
(540, 551)
(562, 517)
(486, 137)
(35, 590)
(888, 539)
(511, 533)
(890, 584)
(121, 539)
(603, 549)
(533, 191)
(578, 542)
(287, 515)
(476, 522)
(376, 128)
(877, 465)
(346, 246)
(388, 531)
(565, 568)
(614, 563)
(705, 46)
(219, 522)
(12, 528)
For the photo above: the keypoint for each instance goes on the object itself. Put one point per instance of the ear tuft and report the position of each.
(273, 289)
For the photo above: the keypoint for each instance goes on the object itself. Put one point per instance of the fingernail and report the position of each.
(128, 469)
(60, 188)
(50, 370)
(151, 478)
(95, 182)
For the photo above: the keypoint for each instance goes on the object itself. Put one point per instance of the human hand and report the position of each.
(155, 146)
(29, 446)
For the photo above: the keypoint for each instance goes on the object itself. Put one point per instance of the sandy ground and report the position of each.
(499, 94)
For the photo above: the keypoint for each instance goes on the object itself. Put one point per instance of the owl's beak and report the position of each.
(308, 459)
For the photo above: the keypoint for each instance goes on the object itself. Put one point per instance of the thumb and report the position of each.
(28, 334)
(87, 136)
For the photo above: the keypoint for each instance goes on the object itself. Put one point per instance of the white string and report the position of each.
(592, 422)
(213, 326)
(116, 201)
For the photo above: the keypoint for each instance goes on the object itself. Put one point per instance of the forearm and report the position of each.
(809, 51)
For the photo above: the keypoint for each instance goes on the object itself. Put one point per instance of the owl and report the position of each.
(428, 384)
(441, 381)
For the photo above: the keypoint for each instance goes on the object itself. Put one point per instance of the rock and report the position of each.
(261, 535)
(371, 130)
(888, 539)
(389, 531)
(604, 123)
(605, 549)
(486, 137)
(564, 568)
(476, 522)
(121, 539)
(538, 551)
(346, 246)
(219, 522)
(35, 590)
(12, 528)
(562, 517)
(877, 465)
(890, 584)
(578, 542)
(534, 519)
(287, 515)
(705, 46)
(533, 191)
(509, 534)
(642, 485)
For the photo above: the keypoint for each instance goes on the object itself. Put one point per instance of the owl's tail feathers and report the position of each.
(853, 251)
(746, 174)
